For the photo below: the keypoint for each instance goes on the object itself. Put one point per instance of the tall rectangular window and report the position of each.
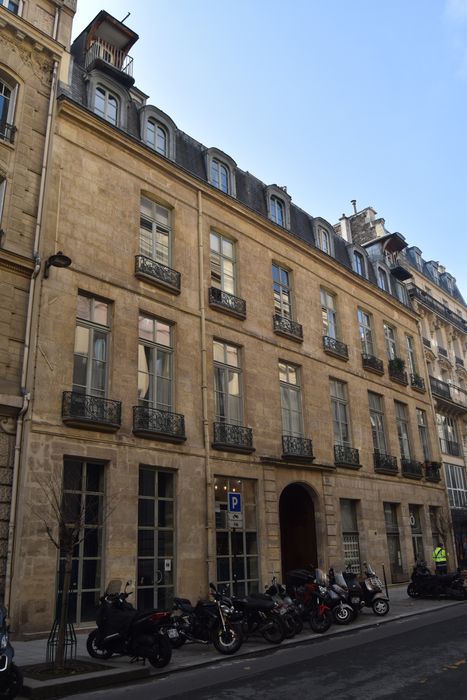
(390, 339)
(291, 399)
(329, 314)
(377, 422)
(155, 364)
(456, 483)
(82, 507)
(91, 346)
(358, 263)
(366, 332)
(340, 419)
(227, 383)
(350, 534)
(237, 550)
(155, 232)
(411, 354)
(393, 539)
(156, 534)
(447, 433)
(222, 257)
(423, 433)
(402, 424)
(282, 291)
(417, 534)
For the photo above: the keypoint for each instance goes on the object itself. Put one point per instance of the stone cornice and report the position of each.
(24, 31)
(16, 263)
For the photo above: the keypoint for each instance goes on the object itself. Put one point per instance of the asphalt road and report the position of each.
(409, 659)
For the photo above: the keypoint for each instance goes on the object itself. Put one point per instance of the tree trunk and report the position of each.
(63, 614)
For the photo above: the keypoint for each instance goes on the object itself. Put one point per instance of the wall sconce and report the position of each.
(57, 260)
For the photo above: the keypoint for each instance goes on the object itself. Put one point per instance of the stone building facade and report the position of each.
(209, 340)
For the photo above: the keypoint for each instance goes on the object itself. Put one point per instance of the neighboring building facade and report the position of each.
(33, 41)
(209, 338)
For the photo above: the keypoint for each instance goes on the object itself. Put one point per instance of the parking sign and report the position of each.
(235, 502)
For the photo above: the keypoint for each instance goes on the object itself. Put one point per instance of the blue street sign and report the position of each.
(235, 502)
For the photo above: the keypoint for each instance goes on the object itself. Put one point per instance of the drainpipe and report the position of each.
(204, 391)
(27, 343)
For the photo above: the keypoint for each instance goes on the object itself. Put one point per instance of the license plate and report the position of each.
(355, 601)
(173, 634)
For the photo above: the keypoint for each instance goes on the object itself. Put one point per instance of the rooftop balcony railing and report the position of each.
(283, 325)
(94, 412)
(335, 347)
(223, 301)
(428, 301)
(153, 423)
(345, 456)
(417, 382)
(385, 464)
(7, 132)
(160, 275)
(372, 364)
(233, 438)
(297, 448)
(411, 469)
(108, 53)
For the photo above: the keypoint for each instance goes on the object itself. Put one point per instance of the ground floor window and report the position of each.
(457, 485)
(236, 549)
(417, 535)
(156, 505)
(350, 535)
(393, 539)
(82, 504)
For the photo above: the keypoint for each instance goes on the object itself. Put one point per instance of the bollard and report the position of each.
(385, 581)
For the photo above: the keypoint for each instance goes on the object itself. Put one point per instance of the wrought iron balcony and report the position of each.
(385, 464)
(396, 371)
(411, 469)
(450, 447)
(459, 362)
(106, 55)
(297, 448)
(7, 132)
(345, 456)
(436, 306)
(432, 471)
(159, 425)
(372, 364)
(94, 412)
(440, 388)
(287, 327)
(426, 343)
(158, 274)
(442, 351)
(223, 301)
(335, 347)
(400, 272)
(233, 438)
(417, 382)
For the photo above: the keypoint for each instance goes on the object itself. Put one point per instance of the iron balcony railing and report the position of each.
(399, 271)
(159, 274)
(442, 351)
(398, 375)
(432, 471)
(449, 447)
(108, 53)
(233, 438)
(384, 463)
(440, 388)
(372, 364)
(163, 425)
(417, 382)
(346, 456)
(459, 361)
(224, 301)
(299, 448)
(411, 469)
(436, 306)
(7, 132)
(335, 347)
(426, 343)
(83, 410)
(283, 325)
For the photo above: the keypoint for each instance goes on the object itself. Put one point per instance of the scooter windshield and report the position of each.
(321, 578)
(340, 580)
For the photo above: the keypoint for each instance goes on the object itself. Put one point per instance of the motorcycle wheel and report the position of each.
(412, 590)
(11, 683)
(298, 623)
(380, 607)
(93, 649)
(320, 623)
(228, 641)
(342, 615)
(164, 652)
(274, 632)
(288, 623)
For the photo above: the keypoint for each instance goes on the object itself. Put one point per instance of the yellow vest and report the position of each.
(439, 555)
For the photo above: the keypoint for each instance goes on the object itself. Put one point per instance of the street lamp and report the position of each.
(57, 260)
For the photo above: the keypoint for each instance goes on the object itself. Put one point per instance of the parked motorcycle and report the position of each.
(11, 679)
(123, 630)
(209, 621)
(424, 584)
(279, 593)
(311, 591)
(370, 590)
(343, 611)
(260, 615)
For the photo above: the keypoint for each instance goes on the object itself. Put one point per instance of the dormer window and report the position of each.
(106, 104)
(383, 282)
(358, 263)
(323, 241)
(157, 137)
(220, 169)
(278, 205)
(220, 176)
(277, 211)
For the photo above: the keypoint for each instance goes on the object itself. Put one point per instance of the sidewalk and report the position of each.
(120, 671)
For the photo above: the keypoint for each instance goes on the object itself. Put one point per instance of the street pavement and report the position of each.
(195, 655)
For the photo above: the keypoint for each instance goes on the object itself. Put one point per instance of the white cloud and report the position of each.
(456, 9)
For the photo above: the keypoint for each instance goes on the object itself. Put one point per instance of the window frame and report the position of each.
(340, 414)
(403, 429)
(329, 318)
(93, 328)
(390, 340)
(18, 3)
(222, 384)
(224, 261)
(153, 142)
(159, 253)
(422, 426)
(323, 240)
(103, 114)
(282, 291)
(291, 389)
(278, 194)
(366, 332)
(6, 81)
(411, 355)
(157, 351)
(377, 422)
(357, 255)
(456, 484)
(218, 159)
(383, 279)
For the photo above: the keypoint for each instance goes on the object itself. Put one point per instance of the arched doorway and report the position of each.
(298, 531)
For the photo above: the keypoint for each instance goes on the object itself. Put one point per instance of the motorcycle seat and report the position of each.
(253, 603)
(184, 604)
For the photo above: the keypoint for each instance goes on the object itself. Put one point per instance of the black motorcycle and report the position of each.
(259, 615)
(11, 679)
(123, 630)
(310, 589)
(209, 621)
(369, 589)
(279, 593)
(342, 609)
(424, 584)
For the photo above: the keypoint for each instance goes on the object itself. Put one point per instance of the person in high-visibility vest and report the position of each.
(440, 559)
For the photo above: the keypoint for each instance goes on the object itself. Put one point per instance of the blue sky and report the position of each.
(336, 99)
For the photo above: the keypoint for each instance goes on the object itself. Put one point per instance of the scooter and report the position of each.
(11, 679)
(123, 630)
(424, 584)
(370, 590)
